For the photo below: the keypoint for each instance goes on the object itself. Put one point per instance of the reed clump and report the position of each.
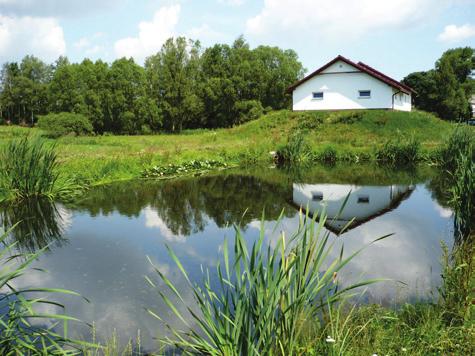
(29, 168)
(264, 294)
(462, 140)
(295, 151)
(399, 152)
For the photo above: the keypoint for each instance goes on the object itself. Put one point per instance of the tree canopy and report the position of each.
(446, 89)
(182, 86)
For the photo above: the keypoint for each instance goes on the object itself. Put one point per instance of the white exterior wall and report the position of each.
(402, 101)
(340, 91)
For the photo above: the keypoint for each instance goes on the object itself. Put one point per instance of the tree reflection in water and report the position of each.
(186, 204)
(39, 223)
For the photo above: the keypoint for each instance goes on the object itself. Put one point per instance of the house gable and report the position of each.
(359, 66)
(340, 67)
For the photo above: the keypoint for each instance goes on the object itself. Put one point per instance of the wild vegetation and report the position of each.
(29, 168)
(446, 89)
(19, 333)
(271, 300)
(61, 124)
(265, 294)
(325, 137)
(182, 86)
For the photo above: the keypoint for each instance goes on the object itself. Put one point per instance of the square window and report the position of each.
(317, 95)
(364, 94)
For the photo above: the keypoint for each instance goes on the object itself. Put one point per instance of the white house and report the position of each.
(342, 84)
(364, 203)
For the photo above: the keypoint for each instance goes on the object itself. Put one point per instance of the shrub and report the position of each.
(399, 152)
(248, 110)
(309, 120)
(295, 150)
(328, 155)
(65, 123)
(345, 117)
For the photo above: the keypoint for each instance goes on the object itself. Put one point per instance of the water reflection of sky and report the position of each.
(105, 259)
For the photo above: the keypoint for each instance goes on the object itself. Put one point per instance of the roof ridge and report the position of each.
(361, 66)
(367, 66)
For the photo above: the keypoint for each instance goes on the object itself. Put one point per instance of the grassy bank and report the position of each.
(349, 136)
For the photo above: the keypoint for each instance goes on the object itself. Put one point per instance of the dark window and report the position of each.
(364, 94)
(317, 95)
(363, 199)
(317, 196)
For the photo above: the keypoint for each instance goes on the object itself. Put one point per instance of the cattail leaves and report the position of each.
(263, 293)
(29, 168)
(18, 335)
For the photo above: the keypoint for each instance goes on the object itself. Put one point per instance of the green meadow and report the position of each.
(349, 136)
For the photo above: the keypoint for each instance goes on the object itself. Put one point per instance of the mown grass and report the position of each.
(331, 136)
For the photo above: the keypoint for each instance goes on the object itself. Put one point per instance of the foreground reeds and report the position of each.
(264, 295)
(19, 334)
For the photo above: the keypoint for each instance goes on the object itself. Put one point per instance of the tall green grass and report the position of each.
(458, 287)
(296, 150)
(458, 142)
(399, 152)
(29, 168)
(264, 296)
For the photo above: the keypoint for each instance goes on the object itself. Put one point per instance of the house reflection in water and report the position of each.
(364, 203)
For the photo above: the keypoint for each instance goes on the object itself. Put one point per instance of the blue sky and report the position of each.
(396, 37)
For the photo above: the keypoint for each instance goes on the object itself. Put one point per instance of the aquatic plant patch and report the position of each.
(192, 166)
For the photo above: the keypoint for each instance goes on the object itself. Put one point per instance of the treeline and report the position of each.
(182, 86)
(447, 89)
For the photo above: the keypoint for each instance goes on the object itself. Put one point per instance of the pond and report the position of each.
(98, 246)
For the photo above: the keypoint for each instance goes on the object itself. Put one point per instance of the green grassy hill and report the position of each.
(105, 158)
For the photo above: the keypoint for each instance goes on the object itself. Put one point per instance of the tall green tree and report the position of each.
(128, 108)
(174, 74)
(24, 90)
(425, 86)
(446, 89)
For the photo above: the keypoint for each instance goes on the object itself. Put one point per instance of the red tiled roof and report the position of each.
(360, 66)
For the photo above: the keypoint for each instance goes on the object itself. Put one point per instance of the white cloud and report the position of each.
(205, 34)
(336, 19)
(454, 33)
(89, 46)
(82, 43)
(19, 36)
(152, 34)
(232, 2)
(152, 220)
(443, 212)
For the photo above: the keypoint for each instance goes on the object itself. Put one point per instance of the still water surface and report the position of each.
(98, 246)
